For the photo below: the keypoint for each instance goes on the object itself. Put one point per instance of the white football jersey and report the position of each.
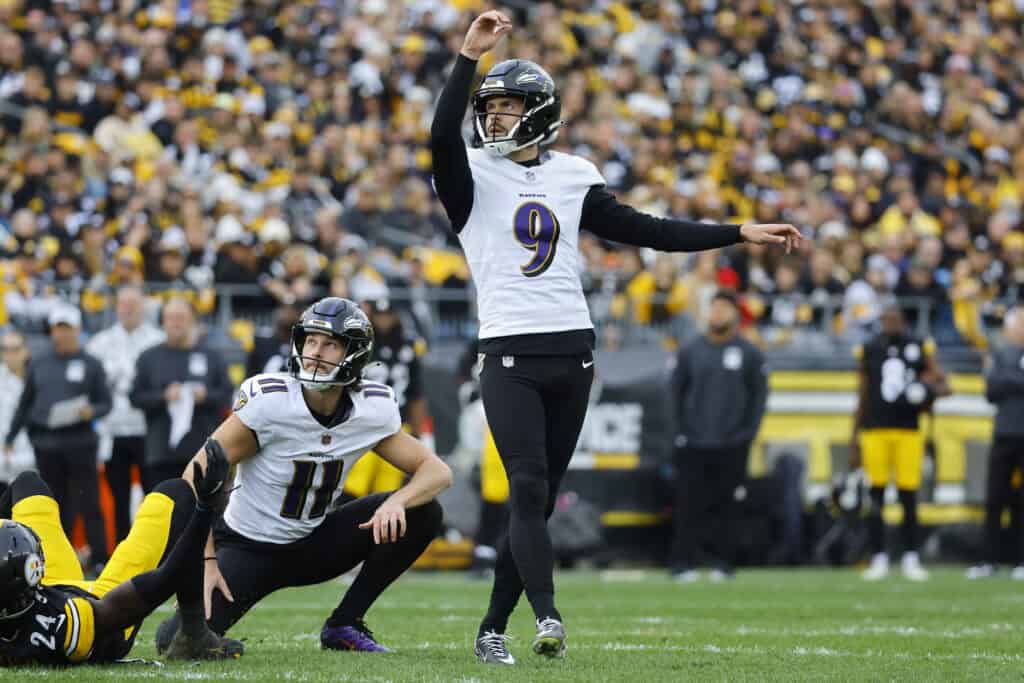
(522, 243)
(284, 491)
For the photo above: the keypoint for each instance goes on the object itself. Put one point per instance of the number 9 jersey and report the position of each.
(522, 243)
(285, 490)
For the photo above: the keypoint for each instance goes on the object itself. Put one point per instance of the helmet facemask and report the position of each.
(358, 348)
(542, 106)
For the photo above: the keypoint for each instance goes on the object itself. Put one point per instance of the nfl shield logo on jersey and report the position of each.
(326, 439)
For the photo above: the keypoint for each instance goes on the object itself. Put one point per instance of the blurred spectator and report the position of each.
(182, 387)
(1005, 388)
(418, 215)
(65, 392)
(864, 300)
(272, 346)
(720, 389)
(881, 129)
(925, 299)
(118, 348)
(12, 380)
(176, 281)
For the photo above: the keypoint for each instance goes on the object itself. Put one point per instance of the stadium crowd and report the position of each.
(284, 146)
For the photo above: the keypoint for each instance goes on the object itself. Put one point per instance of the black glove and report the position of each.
(209, 484)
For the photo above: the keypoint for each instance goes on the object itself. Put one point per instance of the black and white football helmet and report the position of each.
(542, 106)
(343, 320)
(22, 566)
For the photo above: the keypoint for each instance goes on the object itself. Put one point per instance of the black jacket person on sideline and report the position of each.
(162, 374)
(1005, 389)
(65, 391)
(720, 384)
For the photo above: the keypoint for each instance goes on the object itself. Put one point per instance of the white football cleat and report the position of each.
(1018, 573)
(686, 576)
(980, 571)
(550, 638)
(912, 569)
(492, 648)
(879, 568)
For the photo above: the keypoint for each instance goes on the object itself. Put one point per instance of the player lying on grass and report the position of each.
(295, 437)
(50, 615)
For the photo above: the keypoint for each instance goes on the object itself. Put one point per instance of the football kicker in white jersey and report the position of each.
(286, 489)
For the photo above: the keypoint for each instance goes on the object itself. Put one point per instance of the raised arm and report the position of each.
(453, 180)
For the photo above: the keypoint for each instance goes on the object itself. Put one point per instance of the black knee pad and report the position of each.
(528, 494)
(179, 491)
(28, 484)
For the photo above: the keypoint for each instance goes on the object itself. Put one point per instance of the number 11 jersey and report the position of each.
(522, 243)
(284, 491)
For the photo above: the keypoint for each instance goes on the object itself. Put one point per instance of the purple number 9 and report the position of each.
(536, 228)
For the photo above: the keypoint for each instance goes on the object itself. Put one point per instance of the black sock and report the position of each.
(182, 570)
(543, 606)
(386, 562)
(501, 606)
(876, 527)
(908, 499)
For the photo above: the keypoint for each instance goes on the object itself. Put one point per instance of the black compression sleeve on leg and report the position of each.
(876, 528)
(908, 499)
(178, 570)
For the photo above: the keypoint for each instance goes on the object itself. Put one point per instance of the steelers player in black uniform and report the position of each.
(396, 363)
(518, 212)
(50, 615)
(899, 378)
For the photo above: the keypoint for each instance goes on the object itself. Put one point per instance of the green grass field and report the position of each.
(637, 626)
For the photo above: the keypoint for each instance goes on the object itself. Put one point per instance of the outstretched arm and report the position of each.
(604, 216)
(453, 180)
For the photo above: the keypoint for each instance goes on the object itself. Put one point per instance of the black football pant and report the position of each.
(73, 477)
(254, 570)
(535, 407)
(127, 451)
(1007, 455)
(706, 506)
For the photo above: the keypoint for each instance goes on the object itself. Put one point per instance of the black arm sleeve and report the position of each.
(453, 180)
(20, 416)
(1003, 380)
(757, 397)
(99, 391)
(219, 388)
(145, 395)
(604, 216)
